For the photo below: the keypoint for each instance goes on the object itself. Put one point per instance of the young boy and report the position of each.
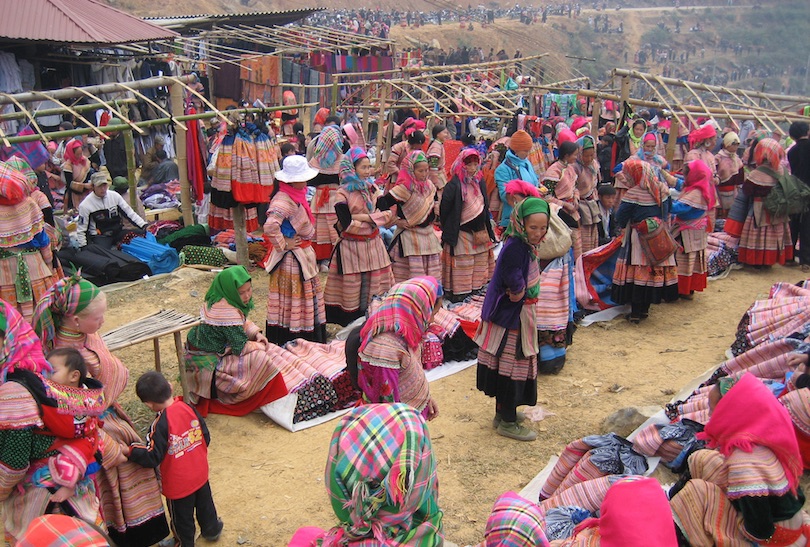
(607, 206)
(73, 420)
(178, 442)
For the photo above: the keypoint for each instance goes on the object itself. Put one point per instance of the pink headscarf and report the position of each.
(517, 186)
(459, 170)
(749, 415)
(406, 172)
(634, 513)
(699, 135)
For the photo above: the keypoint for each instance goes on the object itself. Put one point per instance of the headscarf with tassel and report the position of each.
(351, 181)
(459, 169)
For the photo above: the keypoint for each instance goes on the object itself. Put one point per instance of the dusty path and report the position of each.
(268, 482)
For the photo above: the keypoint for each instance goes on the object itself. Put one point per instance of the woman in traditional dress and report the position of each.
(507, 334)
(390, 355)
(382, 482)
(361, 267)
(415, 250)
(228, 368)
(26, 252)
(413, 139)
(647, 154)
(764, 239)
(295, 306)
(561, 180)
(636, 134)
(701, 143)
(588, 177)
(326, 155)
(635, 280)
(730, 172)
(76, 170)
(467, 235)
(747, 489)
(70, 315)
(692, 225)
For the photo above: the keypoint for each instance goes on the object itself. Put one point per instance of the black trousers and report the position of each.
(800, 232)
(182, 511)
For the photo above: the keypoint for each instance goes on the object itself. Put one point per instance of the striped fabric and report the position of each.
(469, 267)
(755, 473)
(507, 363)
(61, 530)
(692, 270)
(352, 293)
(588, 494)
(389, 371)
(323, 207)
(570, 456)
(514, 522)
(17, 409)
(650, 443)
(767, 360)
(292, 303)
(21, 347)
(381, 478)
(706, 517)
(764, 245)
(553, 301)
(416, 265)
(220, 218)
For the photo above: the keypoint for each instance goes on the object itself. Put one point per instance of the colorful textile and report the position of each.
(406, 311)
(298, 195)
(21, 165)
(514, 522)
(522, 188)
(748, 416)
(21, 347)
(517, 228)
(60, 530)
(348, 174)
(704, 133)
(381, 478)
(66, 297)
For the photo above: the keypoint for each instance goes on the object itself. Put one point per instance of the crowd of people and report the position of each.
(385, 252)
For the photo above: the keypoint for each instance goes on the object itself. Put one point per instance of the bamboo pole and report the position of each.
(110, 107)
(176, 96)
(68, 93)
(159, 108)
(150, 123)
(597, 109)
(674, 131)
(380, 119)
(720, 89)
(625, 98)
(58, 111)
(240, 235)
(366, 102)
(129, 149)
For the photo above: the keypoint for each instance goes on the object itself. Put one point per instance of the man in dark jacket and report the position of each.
(799, 159)
(114, 152)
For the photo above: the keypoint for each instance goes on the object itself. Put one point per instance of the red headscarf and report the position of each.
(700, 177)
(699, 135)
(645, 188)
(749, 415)
(73, 152)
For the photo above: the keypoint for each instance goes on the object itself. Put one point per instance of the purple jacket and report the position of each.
(511, 272)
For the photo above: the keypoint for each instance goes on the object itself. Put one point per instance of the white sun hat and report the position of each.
(296, 169)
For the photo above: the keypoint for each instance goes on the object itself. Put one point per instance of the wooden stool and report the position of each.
(152, 327)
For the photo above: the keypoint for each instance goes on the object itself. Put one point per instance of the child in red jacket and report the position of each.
(177, 442)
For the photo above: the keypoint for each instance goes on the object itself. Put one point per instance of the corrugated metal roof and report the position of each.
(208, 20)
(74, 21)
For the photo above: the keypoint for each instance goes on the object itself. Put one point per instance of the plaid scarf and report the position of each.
(328, 148)
(58, 530)
(22, 166)
(515, 522)
(769, 153)
(21, 347)
(406, 310)
(645, 188)
(68, 296)
(381, 478)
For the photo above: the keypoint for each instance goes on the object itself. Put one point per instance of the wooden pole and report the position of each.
(366, 114)
(386, 90)
(129, 148)
(333, 105)
(57, 111)
(306, 119)
(597, 110)
(176, 96)
(625, 95)
(240, 235)
(674, 131)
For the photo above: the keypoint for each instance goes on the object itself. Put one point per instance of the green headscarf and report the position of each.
(226, 285)
(525, 208)
(66, 297)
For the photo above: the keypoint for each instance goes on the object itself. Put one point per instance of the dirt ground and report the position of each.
(267, 482)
